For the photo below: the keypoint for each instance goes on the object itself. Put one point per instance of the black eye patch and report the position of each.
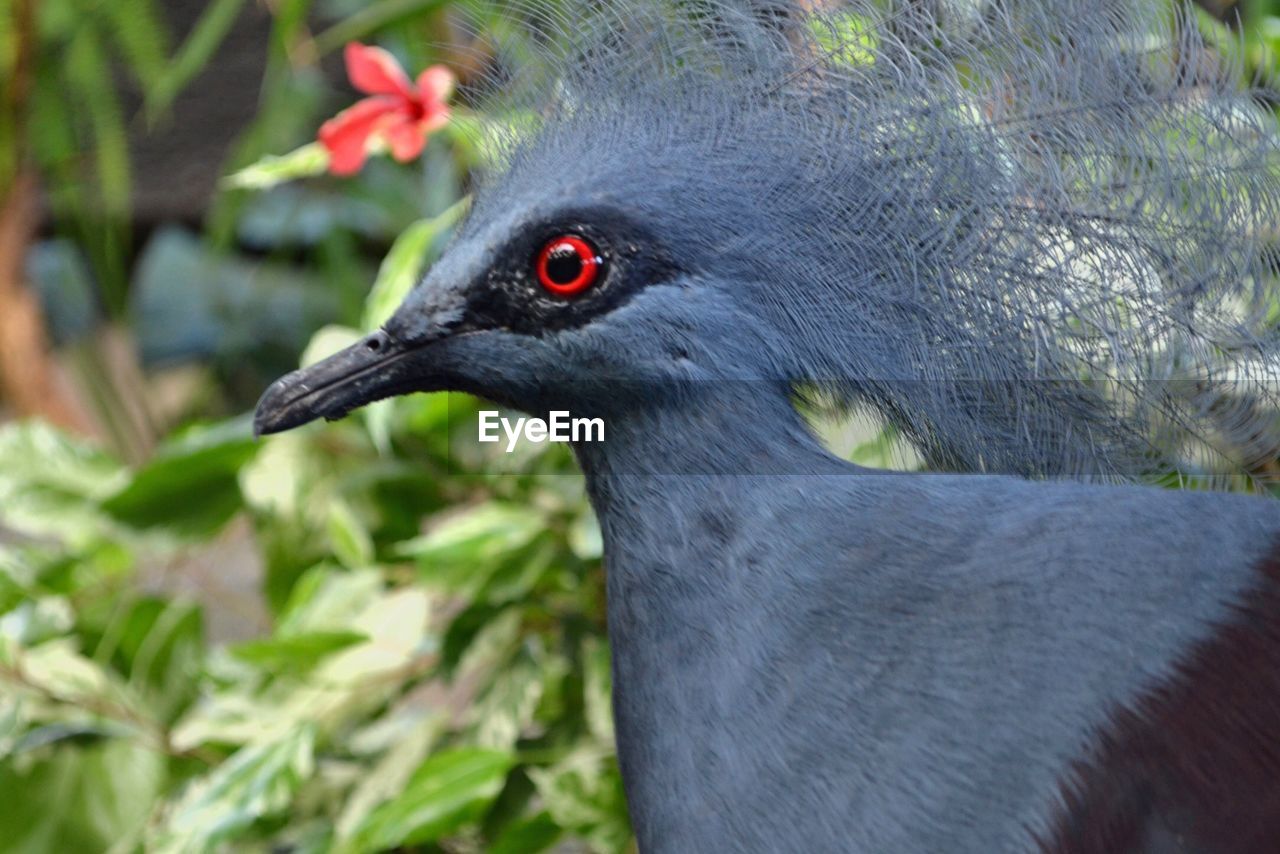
(565, 272)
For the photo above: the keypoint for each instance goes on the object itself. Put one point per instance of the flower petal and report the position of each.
(374, 71)
(346, 135)
(405, 137)
(433, 121)
(435, 84)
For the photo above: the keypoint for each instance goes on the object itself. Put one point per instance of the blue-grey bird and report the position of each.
(1038, 238)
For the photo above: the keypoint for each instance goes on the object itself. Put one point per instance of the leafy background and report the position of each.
(352, 637)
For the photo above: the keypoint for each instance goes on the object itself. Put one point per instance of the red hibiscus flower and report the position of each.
(398, 112)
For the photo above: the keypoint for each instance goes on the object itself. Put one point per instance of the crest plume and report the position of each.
(1037, 236)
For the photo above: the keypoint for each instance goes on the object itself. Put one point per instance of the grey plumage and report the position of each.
(955, 222)
(1034, 236)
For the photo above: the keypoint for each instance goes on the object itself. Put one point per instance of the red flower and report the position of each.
(400, 113)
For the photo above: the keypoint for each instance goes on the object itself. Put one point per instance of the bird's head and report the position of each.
(1007, 249)
(611, 257)
(584, 283)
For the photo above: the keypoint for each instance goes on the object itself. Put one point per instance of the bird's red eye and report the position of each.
(568, 265)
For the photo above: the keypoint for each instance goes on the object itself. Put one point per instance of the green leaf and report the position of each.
(58, 676)
(140, 36)
(34, 452)
(158, 644)
(848, 38)
(62, 699)
(463, 631)
(258, 781)
(462, 550)
(294, 653)
(236, 716)
(191, 486)
(326, 341)
(50, 484)
(377, 417)
(327, 600)
(584, 794)
(89, 73)
(37, 619)
(388, 778)
(507, 708)
(515, 579)
(372, 18)
(273, 169)
(584, 536)
(290, 21)
(15, 579)
(403, 265)
(527, 836)
(879, 452)
(449, 791)
(280, 482)
(80, 798)
(195, 53)
(596, 689)
(399, 272)
(348, 537)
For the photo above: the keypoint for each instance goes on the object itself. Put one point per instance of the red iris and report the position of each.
(568, 265)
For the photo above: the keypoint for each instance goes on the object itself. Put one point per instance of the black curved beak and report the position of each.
(374, 367)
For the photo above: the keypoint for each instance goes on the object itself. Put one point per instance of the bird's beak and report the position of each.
(374, 367)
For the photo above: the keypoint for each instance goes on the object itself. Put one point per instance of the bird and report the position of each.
(1036, 240)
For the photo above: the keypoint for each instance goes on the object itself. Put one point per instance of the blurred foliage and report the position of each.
(1248, 34)
(425, 666)
(353, 637)
(423, 679)
(75, 61)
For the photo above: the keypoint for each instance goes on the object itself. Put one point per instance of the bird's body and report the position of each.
(1039, 242)
(845, 660)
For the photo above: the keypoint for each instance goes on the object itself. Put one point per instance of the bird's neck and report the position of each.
(666, 477)
(681, 492)
(740, 428)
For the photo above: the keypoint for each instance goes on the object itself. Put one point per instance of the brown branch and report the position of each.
(29, 378)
